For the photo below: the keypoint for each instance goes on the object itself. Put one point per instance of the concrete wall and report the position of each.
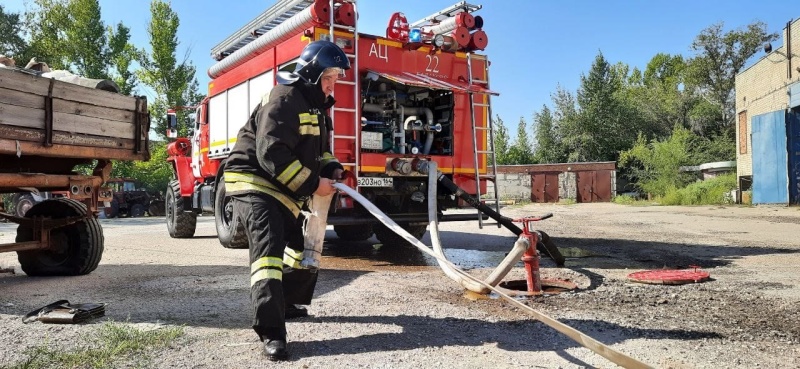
(513, 186)
(568, 186)
(763, 88)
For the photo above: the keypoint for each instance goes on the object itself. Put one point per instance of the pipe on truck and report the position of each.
(316, 14)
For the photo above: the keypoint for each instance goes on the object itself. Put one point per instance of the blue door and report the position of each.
(793, 130)
(770, 167)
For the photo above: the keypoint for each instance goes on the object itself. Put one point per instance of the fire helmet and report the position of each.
(314, 60)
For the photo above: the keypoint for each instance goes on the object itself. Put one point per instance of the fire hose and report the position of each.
(470, 282)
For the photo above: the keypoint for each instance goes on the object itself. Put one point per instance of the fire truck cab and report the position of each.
(417, 94)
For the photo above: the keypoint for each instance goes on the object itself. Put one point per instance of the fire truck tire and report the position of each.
(22, 203)
(137, 211)
(353, 232)
(112, 211)
(180, 223)
(388, 237)
(75, 249)
(230, 231)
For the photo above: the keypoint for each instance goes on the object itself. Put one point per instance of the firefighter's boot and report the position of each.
(295, 311)
(275, 350)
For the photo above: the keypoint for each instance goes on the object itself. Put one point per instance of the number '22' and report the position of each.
(433, 63)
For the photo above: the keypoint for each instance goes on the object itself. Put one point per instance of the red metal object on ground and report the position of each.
(670, 276)
(531, 255)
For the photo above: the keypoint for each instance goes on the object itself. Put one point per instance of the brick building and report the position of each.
(768, 123)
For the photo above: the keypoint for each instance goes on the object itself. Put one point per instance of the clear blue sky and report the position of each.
(534, 45)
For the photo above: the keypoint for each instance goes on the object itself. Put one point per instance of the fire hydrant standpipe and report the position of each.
(576, 335)
(546, 245)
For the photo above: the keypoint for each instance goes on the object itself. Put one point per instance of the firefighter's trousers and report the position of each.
(270, 229)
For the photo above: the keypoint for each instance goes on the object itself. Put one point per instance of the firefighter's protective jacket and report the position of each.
(283, 149)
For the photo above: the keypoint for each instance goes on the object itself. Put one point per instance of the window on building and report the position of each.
(743, 132)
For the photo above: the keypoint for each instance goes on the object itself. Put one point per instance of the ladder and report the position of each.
(266, 21)
(449, 12)
(355, 137)
(489, 151)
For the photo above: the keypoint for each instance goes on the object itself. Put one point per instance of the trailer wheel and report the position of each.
(359, 232)
(230, 231)
(75, 249)
(137, 211)
(180, 223)
(22, 203)
(112, 211)
(389, 237)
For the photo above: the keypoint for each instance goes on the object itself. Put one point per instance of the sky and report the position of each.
(535, 46)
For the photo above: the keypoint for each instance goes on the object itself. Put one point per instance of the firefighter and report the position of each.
(281, 158)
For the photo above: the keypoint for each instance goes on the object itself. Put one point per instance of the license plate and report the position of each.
(375, 182)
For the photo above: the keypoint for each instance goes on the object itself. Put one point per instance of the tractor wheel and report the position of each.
(23, 203)
(156, 208)
(180, 223)
(230, 230)
(389, 237)
(351, 233)
(137, 211)
(112, 211)
(75, 249)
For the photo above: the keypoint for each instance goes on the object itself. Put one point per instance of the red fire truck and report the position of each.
(417, 94)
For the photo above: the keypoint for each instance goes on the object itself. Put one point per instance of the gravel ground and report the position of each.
(392, 307)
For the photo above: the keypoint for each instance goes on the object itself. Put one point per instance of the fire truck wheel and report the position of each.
(180, 223)
(22, 203)
(112, 211)
(389, 237)
(359, 232)
(75, 249)
(230, 231)
(137, 211)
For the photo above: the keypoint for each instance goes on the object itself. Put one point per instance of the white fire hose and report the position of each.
(471, 283)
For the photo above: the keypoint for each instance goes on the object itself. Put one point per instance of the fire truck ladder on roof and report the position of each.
(489, 151)
(269, 19)
(446, 13)
(355, 137)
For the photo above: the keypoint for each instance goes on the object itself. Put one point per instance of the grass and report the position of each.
(111, 344)
(625, 200)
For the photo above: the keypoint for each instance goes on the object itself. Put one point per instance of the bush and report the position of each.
(714, 191)
(655, 166)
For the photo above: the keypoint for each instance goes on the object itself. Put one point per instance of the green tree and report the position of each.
(86, 39)
(548, 146)
(121, 54)
(174, 83)
(600, 129)
(70, 35)
(720, 56)
(11, 30)
(520, 152)
(501, 140)
(47, 24)
(657, 96)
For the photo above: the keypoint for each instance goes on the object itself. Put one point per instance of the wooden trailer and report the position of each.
(47, 127)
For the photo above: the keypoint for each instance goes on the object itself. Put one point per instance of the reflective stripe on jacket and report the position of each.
(236, 182)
